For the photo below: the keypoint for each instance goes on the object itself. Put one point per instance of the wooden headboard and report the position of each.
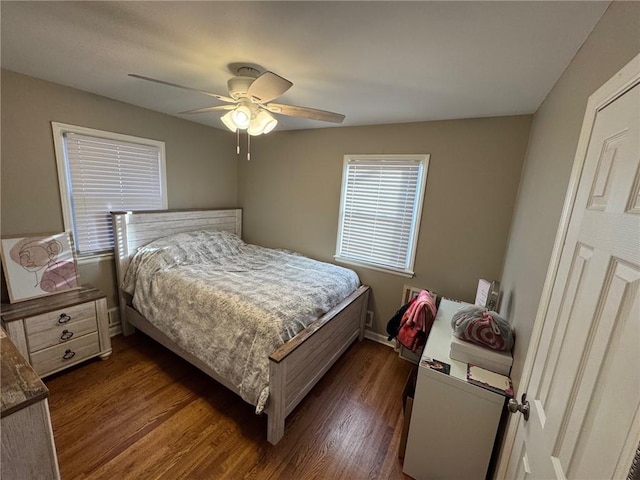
(135, 229)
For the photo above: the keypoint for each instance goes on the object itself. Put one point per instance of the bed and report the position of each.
(294, 366)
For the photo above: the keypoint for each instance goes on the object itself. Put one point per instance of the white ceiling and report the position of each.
(375, 62)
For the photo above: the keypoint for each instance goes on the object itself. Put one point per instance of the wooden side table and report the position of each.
(58, 331)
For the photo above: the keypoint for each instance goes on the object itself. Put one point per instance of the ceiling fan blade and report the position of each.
(267, 87)
(162, 82)
(209, 109)
(304, 112)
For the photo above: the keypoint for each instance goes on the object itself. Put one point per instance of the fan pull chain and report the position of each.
(248, 147)
(238, 142)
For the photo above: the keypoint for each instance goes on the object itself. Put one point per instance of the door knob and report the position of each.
(523, 408)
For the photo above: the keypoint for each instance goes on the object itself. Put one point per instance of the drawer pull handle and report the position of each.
(68, 354)
(66, 335)
(64, 318)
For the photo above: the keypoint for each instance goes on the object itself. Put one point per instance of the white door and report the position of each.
(584, 384)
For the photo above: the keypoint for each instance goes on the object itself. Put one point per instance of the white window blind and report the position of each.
(108, 174)
(380, 210)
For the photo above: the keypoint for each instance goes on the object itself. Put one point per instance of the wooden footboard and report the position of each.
(300, 363)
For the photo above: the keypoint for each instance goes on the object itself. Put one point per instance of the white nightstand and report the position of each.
(58, 331)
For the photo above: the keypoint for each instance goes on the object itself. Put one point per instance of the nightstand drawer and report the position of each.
(66, 354)
(60, 333)
(61, 318)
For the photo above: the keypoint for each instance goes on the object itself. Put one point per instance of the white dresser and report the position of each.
(28, 449)
(453, 423)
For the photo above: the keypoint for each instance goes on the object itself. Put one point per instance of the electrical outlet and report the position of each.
(369, 321)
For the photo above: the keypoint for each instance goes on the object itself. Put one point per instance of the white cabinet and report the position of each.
(453, 423)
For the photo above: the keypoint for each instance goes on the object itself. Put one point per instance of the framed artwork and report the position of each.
(408, 292)
(40, 265)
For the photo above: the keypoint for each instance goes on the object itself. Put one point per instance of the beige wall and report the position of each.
(201, 161)
(291, 188)
(290, 191)
(554, 136)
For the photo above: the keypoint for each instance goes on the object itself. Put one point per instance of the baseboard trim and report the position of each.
(115, 327)
(376, 337)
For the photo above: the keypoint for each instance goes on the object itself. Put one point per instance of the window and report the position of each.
(100, 172)
(380, 211)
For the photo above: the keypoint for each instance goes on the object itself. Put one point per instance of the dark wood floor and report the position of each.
(147, 414)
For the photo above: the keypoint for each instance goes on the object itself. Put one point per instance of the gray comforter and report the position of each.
(232, 304)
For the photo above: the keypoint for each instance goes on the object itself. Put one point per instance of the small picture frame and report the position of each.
(409, 292)
(436, 365)
(39, 265)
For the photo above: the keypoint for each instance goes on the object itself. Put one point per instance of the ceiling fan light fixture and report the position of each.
(241, 117)
(228, 121)
(261, 122)
(271, 124)
(250, 98)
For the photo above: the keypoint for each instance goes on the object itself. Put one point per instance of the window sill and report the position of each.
(355, 263)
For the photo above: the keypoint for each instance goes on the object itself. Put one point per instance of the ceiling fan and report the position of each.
(249, 102)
